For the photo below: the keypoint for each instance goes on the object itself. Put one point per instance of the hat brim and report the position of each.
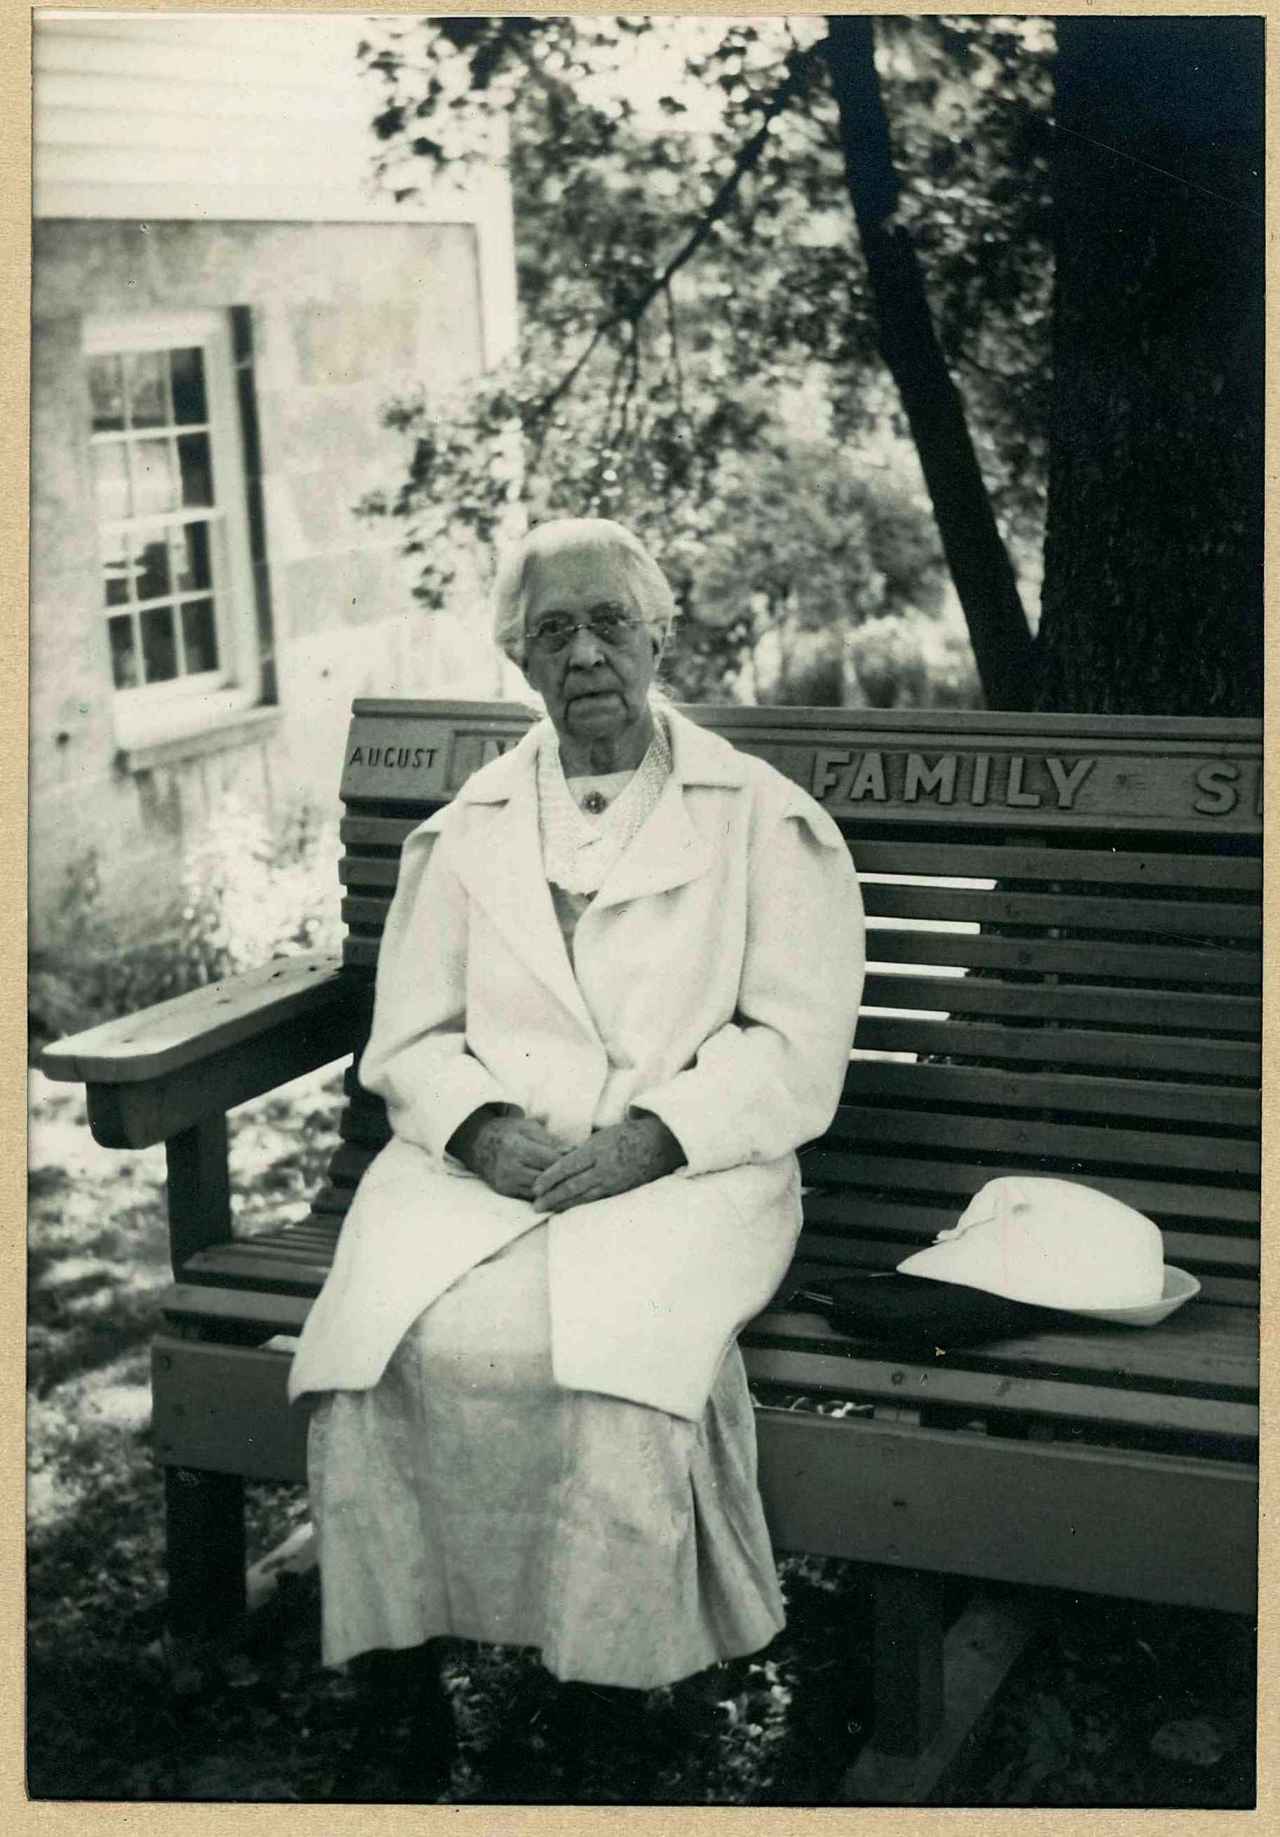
(1179, 1286)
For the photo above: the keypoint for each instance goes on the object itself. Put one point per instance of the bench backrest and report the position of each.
(1064, 956)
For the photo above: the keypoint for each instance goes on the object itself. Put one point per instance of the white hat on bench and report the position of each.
(1056, 1244)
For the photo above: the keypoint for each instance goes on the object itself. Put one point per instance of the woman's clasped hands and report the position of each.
(520, 1158)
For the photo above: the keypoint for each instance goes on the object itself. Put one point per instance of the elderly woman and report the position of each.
(617, 990)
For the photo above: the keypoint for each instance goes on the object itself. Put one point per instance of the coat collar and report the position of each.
(698, 757)
(500, 858)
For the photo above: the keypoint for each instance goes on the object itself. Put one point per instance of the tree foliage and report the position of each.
(694, 297)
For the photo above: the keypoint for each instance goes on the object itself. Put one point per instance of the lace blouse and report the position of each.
(580, 848)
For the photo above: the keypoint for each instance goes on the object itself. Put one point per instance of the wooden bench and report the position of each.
(1065, 978)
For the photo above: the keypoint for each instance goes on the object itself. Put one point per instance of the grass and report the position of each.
(1117, 1704)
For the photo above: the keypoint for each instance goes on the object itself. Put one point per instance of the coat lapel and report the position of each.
(669, 851)
(500, 862)
(501, 857)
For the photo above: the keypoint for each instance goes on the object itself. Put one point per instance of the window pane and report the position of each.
(200, 635)
(158, 648)
(153, 567)
(110, 480)
(124, 656)
(115, 572)
(106, 394)
(147, 379)
(155, 488)
(191, 557)
(197, 473)
(188, 386)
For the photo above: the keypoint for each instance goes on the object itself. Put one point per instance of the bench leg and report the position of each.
(932, 1692)
(205, 1555)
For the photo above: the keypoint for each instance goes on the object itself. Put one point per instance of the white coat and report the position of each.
(718, 975)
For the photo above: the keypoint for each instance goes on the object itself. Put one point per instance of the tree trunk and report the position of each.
(979, 563)
(1152, 597)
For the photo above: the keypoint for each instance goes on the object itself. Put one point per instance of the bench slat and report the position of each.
(1154, 965)
(1062, 1092)
(319, 1233)
(907, 1197)
(1163, 917)
(368, 871)
(846, 1212)
(1061, 1047)
(829, 1167)
(216, 1309)
(1072, 911)
(1170, 1011)
(1014, 861)
(1202, 1350)
(1149, 868)
(860, 1125)
(771, 1359)
(287, 1246)
(1192, 918)
(1149, 964)
(873, 1082)
(241, 1265)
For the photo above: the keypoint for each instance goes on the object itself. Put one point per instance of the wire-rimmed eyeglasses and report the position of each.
(610, 624)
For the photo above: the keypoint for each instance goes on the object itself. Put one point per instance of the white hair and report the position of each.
(600, 536)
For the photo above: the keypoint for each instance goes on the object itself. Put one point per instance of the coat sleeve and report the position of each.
(417, 1057)
(771, 1078)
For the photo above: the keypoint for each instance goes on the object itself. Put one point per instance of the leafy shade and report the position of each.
(694, 300)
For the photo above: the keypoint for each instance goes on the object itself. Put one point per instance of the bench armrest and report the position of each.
(151, 1075)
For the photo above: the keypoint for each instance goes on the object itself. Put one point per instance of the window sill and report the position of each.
(237, 730)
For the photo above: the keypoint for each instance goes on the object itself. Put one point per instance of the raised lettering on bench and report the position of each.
(824, 759)
(867, 781)
(939, 777)
(1218, 784)
(1015, 796)
(1068, 780)
(395, 758)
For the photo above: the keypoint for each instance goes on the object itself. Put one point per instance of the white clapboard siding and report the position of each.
(306, 51)
(236, 117)
(81, 95)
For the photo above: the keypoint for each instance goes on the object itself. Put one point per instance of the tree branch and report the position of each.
(673, 333)
(801, 68)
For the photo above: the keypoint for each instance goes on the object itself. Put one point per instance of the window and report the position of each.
(176, 587)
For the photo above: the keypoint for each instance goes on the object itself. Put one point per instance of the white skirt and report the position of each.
(467, 1495)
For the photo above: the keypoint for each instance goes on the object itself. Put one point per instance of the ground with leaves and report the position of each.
(1115, 1705)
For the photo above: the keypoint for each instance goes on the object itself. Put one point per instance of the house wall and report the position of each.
(342, 315)
(221, 162)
